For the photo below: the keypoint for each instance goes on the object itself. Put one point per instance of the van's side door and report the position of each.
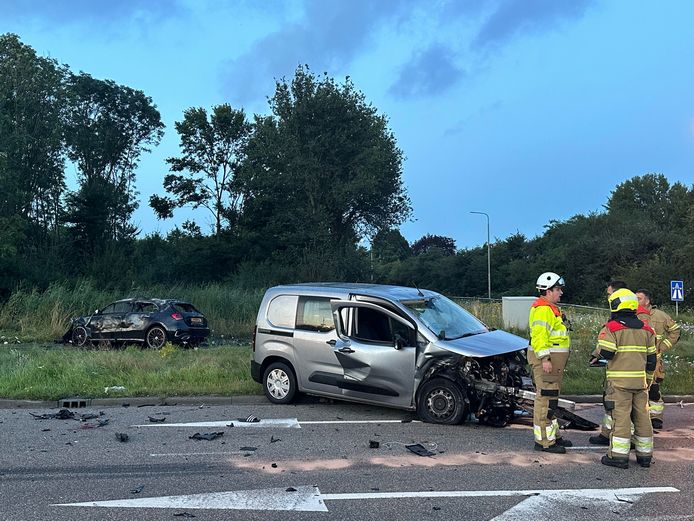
(377, 350)
(314, 338)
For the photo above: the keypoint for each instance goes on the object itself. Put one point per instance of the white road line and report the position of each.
(540, 505)
(328, 422)
(287, 423)
(178, 454)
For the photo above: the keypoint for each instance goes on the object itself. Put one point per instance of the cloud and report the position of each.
(432, 71)
(329, 35)
(513, 17)
(69, 12)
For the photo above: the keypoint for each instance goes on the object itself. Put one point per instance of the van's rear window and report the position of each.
(314, 314)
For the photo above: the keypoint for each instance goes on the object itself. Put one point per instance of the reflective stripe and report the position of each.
(659, 337)
(674, 326)
(559, 349)
(608, 422)
(643, 444)
(666, 341)
(626, 374)
(656, 406)
(542, 352)
(559, 332)
(651, 350)
(550, 432)
(620, 445)
(631, 349)
(541, 323)
(606, 343)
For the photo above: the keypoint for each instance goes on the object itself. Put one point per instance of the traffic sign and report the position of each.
(677, 290)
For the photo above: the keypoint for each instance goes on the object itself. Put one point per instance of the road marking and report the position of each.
(328, 422)
(287, 423)
(540, 505)
(164, 454)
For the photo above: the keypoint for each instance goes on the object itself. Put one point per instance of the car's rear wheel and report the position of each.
(279, 383)
(80, 336)
(441, 401)
(155, 337)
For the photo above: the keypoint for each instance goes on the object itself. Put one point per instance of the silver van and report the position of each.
(393, 346)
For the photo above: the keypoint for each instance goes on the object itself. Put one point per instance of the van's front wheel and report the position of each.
(441, 401)
(279, 383)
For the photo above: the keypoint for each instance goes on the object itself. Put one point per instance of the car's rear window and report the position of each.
(314, 314)
(184, 307)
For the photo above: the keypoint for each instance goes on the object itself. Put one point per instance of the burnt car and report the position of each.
(407, 348)
(151, 322)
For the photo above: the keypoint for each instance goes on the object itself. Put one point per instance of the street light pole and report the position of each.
(489, 258)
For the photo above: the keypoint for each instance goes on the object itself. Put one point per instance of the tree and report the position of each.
(427, 243)
(322, 170)
(389, 245)
(108, 127)
(212, 150)
(31, 157)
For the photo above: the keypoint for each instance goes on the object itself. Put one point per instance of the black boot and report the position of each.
(644, 461)
(615, 462)
(599, 440)
(564, 443)
(657, 423)
(554, 449)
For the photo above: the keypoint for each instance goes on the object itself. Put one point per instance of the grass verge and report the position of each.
(41, 373)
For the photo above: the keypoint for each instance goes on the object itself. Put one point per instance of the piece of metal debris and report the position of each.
(152, 419)
(374, 444)
(419, 449)
(137, 489)
(62, 414)
(209, 436)
(122, 437)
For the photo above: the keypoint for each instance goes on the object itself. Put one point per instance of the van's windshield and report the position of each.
(445, 318)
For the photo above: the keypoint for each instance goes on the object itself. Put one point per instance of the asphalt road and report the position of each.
(476, 472)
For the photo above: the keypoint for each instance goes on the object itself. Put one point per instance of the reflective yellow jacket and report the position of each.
(548, 333)
(630, 354)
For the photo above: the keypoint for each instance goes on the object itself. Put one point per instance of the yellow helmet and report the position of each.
(623, 299)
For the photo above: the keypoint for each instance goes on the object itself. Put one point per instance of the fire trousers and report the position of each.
(547, 387)
(624, 406)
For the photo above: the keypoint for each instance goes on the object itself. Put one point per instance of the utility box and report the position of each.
(515, 311)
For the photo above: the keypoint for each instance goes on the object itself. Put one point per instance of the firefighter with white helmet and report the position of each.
(548, 354)
(628, 345)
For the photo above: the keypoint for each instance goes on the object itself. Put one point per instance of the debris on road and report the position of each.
(273, 439)
(374, 444)
(209, 436)
(96, 425)
(290, 489)
(152, 419)
(62, 414)
(249, 449)
(250, 419)
(184, 514)
(122, 437)
(137, 489)
(419, 449)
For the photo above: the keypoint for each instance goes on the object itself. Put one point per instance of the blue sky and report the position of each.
(528, 110)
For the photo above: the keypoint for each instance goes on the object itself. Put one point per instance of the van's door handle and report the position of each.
(346, 350)
(332, 342)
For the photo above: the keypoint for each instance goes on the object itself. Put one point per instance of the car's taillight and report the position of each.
(176, 316)
(253, 338)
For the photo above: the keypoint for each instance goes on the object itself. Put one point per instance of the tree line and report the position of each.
(291, 195)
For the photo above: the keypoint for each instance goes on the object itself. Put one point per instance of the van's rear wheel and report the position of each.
(279, 383)
(441, 401)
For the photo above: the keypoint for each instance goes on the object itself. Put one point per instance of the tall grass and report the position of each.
(45, 315)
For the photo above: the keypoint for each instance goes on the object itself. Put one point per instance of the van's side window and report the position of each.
(282, 310)
(314, 314)
(372, 326)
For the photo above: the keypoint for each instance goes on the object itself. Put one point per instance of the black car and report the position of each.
(150, 321)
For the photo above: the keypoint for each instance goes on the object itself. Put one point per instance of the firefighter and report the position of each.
(606, 427)
(628, 345)
(548, 354)
(667, 333)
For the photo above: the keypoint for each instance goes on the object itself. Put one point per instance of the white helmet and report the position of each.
(548, 280)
